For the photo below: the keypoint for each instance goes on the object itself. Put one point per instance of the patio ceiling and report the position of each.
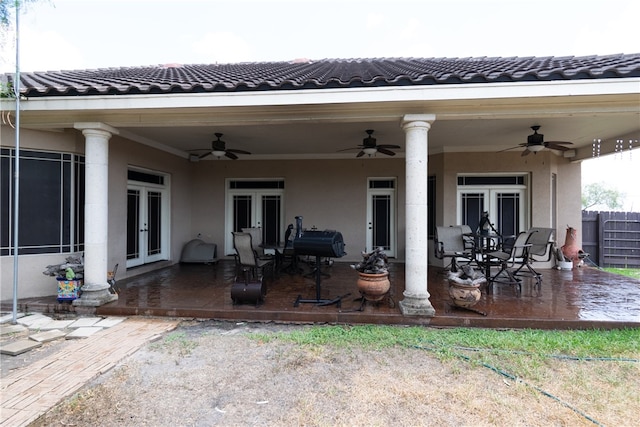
(323, 139)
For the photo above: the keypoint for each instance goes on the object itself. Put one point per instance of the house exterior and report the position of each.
(113, 160)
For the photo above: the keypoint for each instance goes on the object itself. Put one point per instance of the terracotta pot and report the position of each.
(464, 295)
(373, 287)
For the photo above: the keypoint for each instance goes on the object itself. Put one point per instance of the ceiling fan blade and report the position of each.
(385, 151)
(347, 149)
(202, 156)
(388, 146)
(238, 151)
(360, 154)
(230, 155)
(512, 148)
(557, 146)
(526, 152)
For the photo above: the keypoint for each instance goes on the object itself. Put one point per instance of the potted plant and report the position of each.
(69, 275)
(464, 286)
(373, 275)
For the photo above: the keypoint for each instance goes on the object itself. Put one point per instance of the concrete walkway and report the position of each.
(30, 391)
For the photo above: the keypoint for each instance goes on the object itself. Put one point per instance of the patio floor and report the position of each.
(583, 298)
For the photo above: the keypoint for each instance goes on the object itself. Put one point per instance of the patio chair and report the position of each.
(247, 259)
(289, 256)
(449, 243)
(541, 249)
(470, 241)
(512, 260)
(256, 241)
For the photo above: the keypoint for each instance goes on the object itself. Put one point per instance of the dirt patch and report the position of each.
(213, 373)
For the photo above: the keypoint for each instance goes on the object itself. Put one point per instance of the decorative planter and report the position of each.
(373, 287)
(68, 290)
(465, 294)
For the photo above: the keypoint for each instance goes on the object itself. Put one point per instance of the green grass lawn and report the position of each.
(629, 272)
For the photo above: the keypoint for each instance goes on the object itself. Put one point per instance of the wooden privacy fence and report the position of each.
(612, 239)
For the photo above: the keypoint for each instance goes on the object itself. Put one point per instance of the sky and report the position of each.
(89, 34)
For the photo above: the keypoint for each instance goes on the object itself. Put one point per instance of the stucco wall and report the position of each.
(329, 194)
(122, 153)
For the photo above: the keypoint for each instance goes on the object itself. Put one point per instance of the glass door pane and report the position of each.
(381, 227)
(242, 212)
(271, 219)
(133, 224)
(473, 204)
(508, 213)
(154, 223)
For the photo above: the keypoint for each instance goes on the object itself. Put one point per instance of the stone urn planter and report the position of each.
(464, 287)
(373, 287)
(373, 275)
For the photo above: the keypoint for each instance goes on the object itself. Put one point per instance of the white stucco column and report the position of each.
(416, 297)
(95, 290)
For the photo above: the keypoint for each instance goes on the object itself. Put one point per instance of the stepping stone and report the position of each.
(47, 336)
(18, 347)
(84, 322)
(83, 332)
(6, 318)
(110, 321)
(55, 324)
(33, 319)
(12, 329)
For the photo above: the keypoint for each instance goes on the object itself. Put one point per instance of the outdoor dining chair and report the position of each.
(541, 249)
(247, 259)
(449, 243)
(512, 261)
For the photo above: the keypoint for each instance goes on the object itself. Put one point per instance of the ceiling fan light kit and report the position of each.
(370, 148)
(536, 148)
(536, 143)
(218, 150)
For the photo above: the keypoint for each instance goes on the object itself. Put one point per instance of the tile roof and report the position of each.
(321, 74)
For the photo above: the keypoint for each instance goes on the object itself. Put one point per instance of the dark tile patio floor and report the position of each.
(584, 298)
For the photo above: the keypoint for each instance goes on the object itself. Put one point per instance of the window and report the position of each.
(504, 197)
(51, 210)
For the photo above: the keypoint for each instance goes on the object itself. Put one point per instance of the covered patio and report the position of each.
(583, 298)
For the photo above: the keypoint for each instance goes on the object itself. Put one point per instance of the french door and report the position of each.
(147, 224)
(381, 215)
(506, 207)
(255, 208)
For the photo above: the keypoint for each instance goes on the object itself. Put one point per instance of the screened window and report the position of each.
(51, 202)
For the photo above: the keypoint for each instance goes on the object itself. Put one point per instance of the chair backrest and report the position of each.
(541, 242)
(467, 238)
(256, 238)
(520, 245)
(288, 240)
(449, 239)
(242, 245)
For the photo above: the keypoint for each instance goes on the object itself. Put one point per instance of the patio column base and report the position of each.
(416, 306)
(95, 295)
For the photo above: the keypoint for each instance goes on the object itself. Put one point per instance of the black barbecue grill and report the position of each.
(327, 243)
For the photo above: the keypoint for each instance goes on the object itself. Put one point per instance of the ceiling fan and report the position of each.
(369, 146)
(219, 149)
(535, 142)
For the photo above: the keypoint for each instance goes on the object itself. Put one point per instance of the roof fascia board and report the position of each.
(460, 92)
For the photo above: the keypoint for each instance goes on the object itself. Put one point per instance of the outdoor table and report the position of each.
(484, 244)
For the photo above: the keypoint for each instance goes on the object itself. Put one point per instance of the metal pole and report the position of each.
(16, 186)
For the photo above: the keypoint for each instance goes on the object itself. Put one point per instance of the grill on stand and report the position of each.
(327, 243)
